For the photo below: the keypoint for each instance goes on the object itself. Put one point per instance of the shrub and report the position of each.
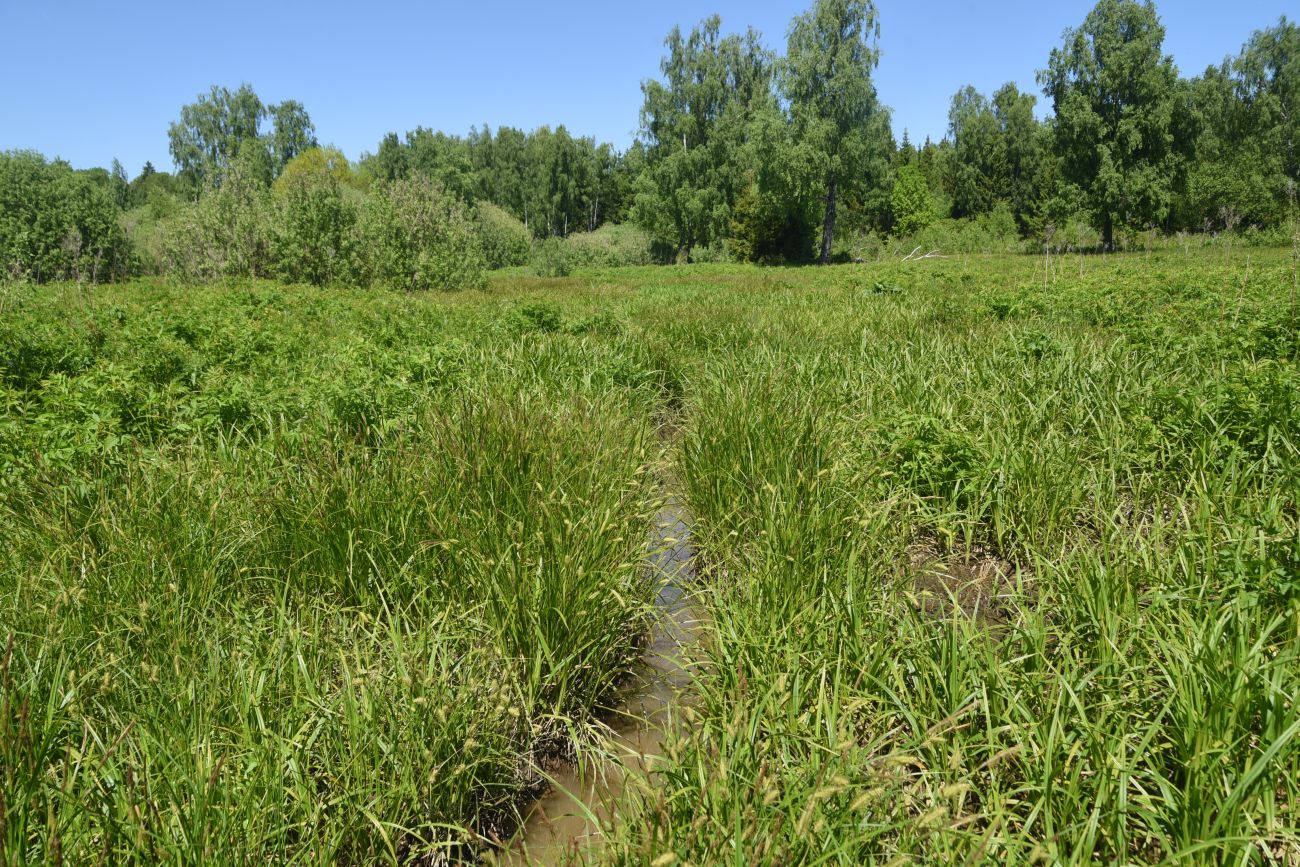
(506, 241)
(994, 232)
(1075, 233)
(613, 246)
(553, 258)
(145, 234)
(854, 246)
(57, 224)
(712, 253)
(224, 234)
(416, 236)
(610, 246)
(315, 218)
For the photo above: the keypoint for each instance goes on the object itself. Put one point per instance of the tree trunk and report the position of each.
(828, 228)
(1108, 234)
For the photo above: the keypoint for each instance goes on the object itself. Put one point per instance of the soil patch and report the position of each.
(979, 583)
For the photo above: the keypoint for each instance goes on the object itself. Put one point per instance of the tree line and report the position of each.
(743, 153)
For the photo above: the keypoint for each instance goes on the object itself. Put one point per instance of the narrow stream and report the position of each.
(567, 819)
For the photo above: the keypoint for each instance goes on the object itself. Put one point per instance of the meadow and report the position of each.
(1000, 557)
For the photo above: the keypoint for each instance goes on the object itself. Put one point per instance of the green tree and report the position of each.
(292, 132)
(774, 217)
(161, 191)
(1113, 89)
(212, 130)
(505, 177)
(554, 182)
(976, 172)
(906, 153)
(1023, 145)
(391, 163)
(442, 158)
(1237, 124)
(1269, 73)
(223, 124)
(934, 161)
(838, 121)
(121, 185)
(1235, 174)
(912, 206)
(693, 124)
(996, 153)
(56, 223)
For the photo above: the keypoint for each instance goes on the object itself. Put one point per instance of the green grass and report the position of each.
(1001, 559)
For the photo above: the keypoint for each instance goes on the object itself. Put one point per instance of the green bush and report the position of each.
(1076, 233)
(506, 241)
(225, 234)
(993, 232)
(56, 223)
(712, 253)
(615, 246)
(859, 246)
(313, 235)
(417, 236)
(145, 233)
(610, 246)
(553, 257)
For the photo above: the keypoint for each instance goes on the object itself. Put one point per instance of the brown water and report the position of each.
(568, 819)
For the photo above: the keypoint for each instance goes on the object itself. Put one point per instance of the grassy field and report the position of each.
(1001, 559)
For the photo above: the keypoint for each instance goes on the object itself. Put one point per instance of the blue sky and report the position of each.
(90, 81)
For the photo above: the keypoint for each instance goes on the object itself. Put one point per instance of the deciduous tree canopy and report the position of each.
(742, 153)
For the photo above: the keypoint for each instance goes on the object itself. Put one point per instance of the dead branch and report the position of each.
(912, 257)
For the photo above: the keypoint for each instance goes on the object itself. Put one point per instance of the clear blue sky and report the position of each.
(90, 81)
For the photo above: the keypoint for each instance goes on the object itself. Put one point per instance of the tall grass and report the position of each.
(343, 637)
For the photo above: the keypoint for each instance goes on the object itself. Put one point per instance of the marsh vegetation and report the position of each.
(998, 557)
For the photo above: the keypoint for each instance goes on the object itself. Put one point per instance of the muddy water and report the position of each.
(567, 819)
